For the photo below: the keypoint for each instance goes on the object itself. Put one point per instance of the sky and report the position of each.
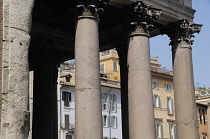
(200, 48)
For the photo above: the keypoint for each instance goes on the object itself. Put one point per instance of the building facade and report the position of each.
(162, 90)
(38, 35)
(203, 111)
(110, 103)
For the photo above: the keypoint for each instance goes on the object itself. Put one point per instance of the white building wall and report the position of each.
(107, 131)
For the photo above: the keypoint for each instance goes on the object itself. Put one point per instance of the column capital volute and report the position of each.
(143, 17)
(90, 8)
(181, 33)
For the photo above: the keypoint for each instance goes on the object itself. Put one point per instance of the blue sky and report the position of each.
(201, 52)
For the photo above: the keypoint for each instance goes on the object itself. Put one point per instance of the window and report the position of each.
(172, 131)
(105, 101)
(68, 136)
(102, 68)
(115, 66)
(66, 121)
(168, 87)
(204, 135)
(170, 105)
(157, 103)
(67, 79)
(66, 97)
(113, 103)
(159, 130)
(202, 116)
(106, 120)
(114, 121)
(155, 85)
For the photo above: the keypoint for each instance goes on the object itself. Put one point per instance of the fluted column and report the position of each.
(141, 111)
(88, 96)
(185, 106)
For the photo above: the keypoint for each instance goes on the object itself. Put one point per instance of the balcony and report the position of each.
(105, 81)
(67, 126)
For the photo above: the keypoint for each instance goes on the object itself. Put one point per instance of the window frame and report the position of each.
(172, 131)
(115, 68)
(106, 121)
(66, 98)
(170, 106)
(155, 84)
(159, 130)
(103, 70)
(202, 116)
(157, 101)
(113, 102)
(115, 121)
(168, 87)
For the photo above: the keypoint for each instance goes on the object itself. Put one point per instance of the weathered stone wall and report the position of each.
(16, 40)
(1, 46)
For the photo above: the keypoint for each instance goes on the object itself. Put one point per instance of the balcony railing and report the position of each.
(107, 81)
(68, 126)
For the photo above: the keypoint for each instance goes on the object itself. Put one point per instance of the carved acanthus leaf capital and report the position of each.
(143, 17)
(183, 32)
(91, 7)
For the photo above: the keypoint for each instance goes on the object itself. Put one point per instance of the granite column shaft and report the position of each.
(88, 92)
(185, 106)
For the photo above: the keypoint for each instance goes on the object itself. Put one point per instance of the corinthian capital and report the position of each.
(183, 32)
(92, 8)
(143, 17)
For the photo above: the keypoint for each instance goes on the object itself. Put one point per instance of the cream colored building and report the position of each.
(203, 111)
(163, 94)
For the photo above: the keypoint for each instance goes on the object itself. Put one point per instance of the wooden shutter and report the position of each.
(161, 131)
(159, 101)
(168, 105)
(172, 106)
(165, 87)
(66, 121)
(63, 96)
(70, 97)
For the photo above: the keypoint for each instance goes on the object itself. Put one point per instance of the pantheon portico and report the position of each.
(38, 35)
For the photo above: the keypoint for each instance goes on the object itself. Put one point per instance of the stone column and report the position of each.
(15, 73)
(88, 92)
(208, 116)
(141, 111)
(123, 53)
(185, 106)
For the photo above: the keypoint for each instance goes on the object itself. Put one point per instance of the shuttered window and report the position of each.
(170, 105)
(106, 121)
(155, 85)
(159, 130)
(102, 68)
(115, 66)
(157, 101)
(114, 121)
(168, 88)
(202, 116)
(113, 103)
(66, 97)
(66, 121)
